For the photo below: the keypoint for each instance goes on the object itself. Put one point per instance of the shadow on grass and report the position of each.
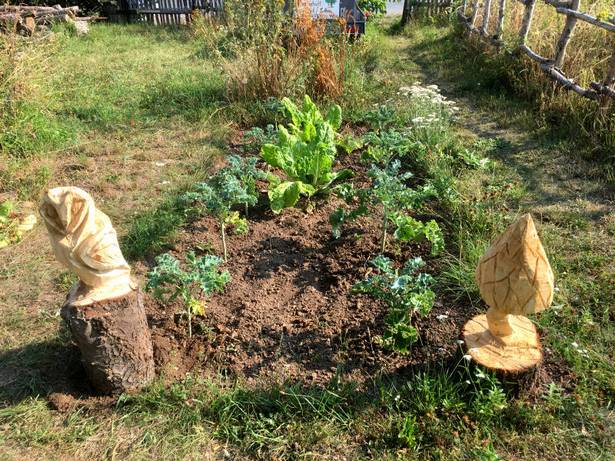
(42, 368)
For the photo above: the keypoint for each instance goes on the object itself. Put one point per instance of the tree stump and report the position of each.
(510, 355)
(114, 340)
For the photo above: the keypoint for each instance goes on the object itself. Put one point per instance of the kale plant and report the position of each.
(168, 281)
(389, 193)
(231, 186)
(406, 293)
(305, 152)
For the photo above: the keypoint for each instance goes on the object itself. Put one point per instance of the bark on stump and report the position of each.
(115, 342)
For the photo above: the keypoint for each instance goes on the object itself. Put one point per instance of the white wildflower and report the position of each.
(467, 358)
(460, 341)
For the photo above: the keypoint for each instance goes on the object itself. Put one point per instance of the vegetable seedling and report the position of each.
(231, 186)
(168, 281)
(407, 294)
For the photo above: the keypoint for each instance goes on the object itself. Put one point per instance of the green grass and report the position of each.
(129, 98)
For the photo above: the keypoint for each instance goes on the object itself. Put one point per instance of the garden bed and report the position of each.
(288, 312)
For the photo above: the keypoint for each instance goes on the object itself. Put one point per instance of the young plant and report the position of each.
(392, 197)
(410, 229)
(305, 152)
(233, 185)
(407, 294)
(168, 281)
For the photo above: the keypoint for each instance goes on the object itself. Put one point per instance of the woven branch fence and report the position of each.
(470, 10)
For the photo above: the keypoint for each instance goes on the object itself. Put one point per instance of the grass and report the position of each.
(493, 80)
(141, 106)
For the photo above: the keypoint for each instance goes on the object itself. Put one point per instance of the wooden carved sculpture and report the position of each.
(515, 279)
(85, 242)
(104, 310)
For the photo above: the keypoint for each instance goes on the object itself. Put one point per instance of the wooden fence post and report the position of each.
(486, 17)
(527, 20)
(474, 13)
(500, 29)
(405, 13)
(562, 43)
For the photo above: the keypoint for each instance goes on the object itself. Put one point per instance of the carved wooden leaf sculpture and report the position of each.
(514, 275)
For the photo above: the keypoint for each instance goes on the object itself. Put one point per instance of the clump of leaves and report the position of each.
(389, 193)
(231, 186)
(168, 281)
(407, 295)
(387, 145)
(305, 151)
(13, 225)
(257, 136)
(410, 229)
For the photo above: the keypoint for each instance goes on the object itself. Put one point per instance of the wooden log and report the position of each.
(114, 340)
(532, 55)
(568, 83)
(558, 3)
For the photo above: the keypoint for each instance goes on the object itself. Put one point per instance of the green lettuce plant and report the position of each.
(407, 295)
(305, 152)
(168, 281)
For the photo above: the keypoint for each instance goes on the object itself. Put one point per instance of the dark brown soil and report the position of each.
(288, 312)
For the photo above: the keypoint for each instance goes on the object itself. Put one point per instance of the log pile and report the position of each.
(27, 20)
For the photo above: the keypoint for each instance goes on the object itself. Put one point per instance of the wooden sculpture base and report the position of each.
(515, 354)
(115, 342)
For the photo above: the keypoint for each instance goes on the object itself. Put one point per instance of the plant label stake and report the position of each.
(104, 310)
(515, 279)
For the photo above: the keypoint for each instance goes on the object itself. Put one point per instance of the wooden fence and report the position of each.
(413, 8)
(602, 90)
(165, 12)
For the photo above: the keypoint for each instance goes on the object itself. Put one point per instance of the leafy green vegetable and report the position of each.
(389, 193)
(305, 152)
(406, 293)
(168, 281)
(410, 229)
(231, 186)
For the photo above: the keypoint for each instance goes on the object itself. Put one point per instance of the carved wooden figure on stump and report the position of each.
(104, 310)
(515, 279)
